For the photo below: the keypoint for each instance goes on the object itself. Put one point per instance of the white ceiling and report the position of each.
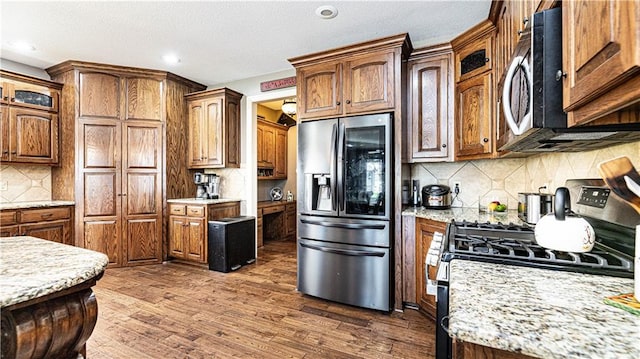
(217, 41)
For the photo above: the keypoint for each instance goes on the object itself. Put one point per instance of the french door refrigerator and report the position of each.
(344, 201)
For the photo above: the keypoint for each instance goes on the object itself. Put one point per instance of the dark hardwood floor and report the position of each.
(180, 311)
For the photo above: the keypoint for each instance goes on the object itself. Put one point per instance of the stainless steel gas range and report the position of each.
(613, 220)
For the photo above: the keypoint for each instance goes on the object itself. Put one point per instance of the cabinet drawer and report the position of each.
(178, 209)
(8, 218)
(195, 211)
(46, 214)
(273, 209)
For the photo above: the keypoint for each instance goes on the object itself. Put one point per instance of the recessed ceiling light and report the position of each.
(327, 12)
(22, 46)
(171, 59)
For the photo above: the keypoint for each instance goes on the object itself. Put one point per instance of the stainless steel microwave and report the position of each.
(532, 96)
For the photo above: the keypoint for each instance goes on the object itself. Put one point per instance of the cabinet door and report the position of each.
(55, 231)
(369, 83)
(269, 146)
(32, 96)
(474, 59)
(100, 187)
(33, 136)
(430, 112)
(195, 240)
(142, 191)
(143, 99)
(290, 220)
(319, 90)
(600, 50)
(206, 134)
(474, 137)
(4, 133)
(425, 230)
(280, 155)
(178, 231)
(260, 145)
(197, 134)
(232, 145)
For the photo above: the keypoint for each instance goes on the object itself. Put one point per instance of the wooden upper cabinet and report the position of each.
(601, 56)
(144, 99)
(474, 137)
(33, 136)
(474, 118)
(214, 128)
(319, 92)
(474, 59)
(358, 79)
(430, 112)
(272, 150)
(29, 119)
(100, 95)
(369, 83)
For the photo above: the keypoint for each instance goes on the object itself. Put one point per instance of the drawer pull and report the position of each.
(46, 215)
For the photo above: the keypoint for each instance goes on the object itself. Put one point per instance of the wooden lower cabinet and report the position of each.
(466, 350)
(290, 220)
(188, 224)
(425, 230)
(50, 223)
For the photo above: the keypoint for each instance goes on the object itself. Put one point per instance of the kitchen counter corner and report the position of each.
(542, 313)
(197, 201)
(32, 267)
(35, 204)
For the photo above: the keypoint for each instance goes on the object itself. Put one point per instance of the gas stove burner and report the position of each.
(514, 244)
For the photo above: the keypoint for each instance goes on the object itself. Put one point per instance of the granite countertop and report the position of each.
(262, 204)
(202, 201)
(35, 204)
(541, 313)
(470, 214)
(32, 267)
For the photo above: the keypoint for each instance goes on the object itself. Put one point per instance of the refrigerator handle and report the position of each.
(341, 174)
(332, 168)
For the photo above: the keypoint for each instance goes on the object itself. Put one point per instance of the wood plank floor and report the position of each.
(180, 311)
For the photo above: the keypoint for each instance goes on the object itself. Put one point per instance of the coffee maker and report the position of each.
(207, 185)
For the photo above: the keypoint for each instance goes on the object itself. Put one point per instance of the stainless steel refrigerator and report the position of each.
(345, 205)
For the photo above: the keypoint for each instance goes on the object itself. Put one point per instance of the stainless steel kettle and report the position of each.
(564, 230)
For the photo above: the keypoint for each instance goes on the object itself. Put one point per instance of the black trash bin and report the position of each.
(232, 243)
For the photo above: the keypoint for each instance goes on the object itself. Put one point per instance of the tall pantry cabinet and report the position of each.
(116, 124)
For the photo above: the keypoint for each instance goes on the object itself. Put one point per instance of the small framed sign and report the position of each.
(278, 84)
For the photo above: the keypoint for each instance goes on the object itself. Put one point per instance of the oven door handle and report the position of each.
(445, 327)
(345, 252)
(506, 96)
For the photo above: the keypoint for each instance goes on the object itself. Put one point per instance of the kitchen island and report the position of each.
(48, 307)
(540, 313)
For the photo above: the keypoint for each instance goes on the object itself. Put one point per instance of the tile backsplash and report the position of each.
(504, 178)
(24, 183)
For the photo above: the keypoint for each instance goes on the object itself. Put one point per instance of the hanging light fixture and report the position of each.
(289, 107)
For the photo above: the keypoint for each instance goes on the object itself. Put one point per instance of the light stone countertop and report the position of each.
(32, 267)
(35, 204)
(193, 200)
(541, 313)
(470, 214)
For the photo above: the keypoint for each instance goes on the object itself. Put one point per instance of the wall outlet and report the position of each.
(4, 185)
(456, 187)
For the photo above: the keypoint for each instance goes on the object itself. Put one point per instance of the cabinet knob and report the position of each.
(5, 152)
(338, 103)
(6, 98)
(14, 152)
(485, 140)
(124, 195)
(348, 102)
(525, 20)
(444, 145)
(13, 99)
(46, 215)
(486, 59)
(560, 75)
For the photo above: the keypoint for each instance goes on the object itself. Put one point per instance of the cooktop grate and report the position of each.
(515, 244)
